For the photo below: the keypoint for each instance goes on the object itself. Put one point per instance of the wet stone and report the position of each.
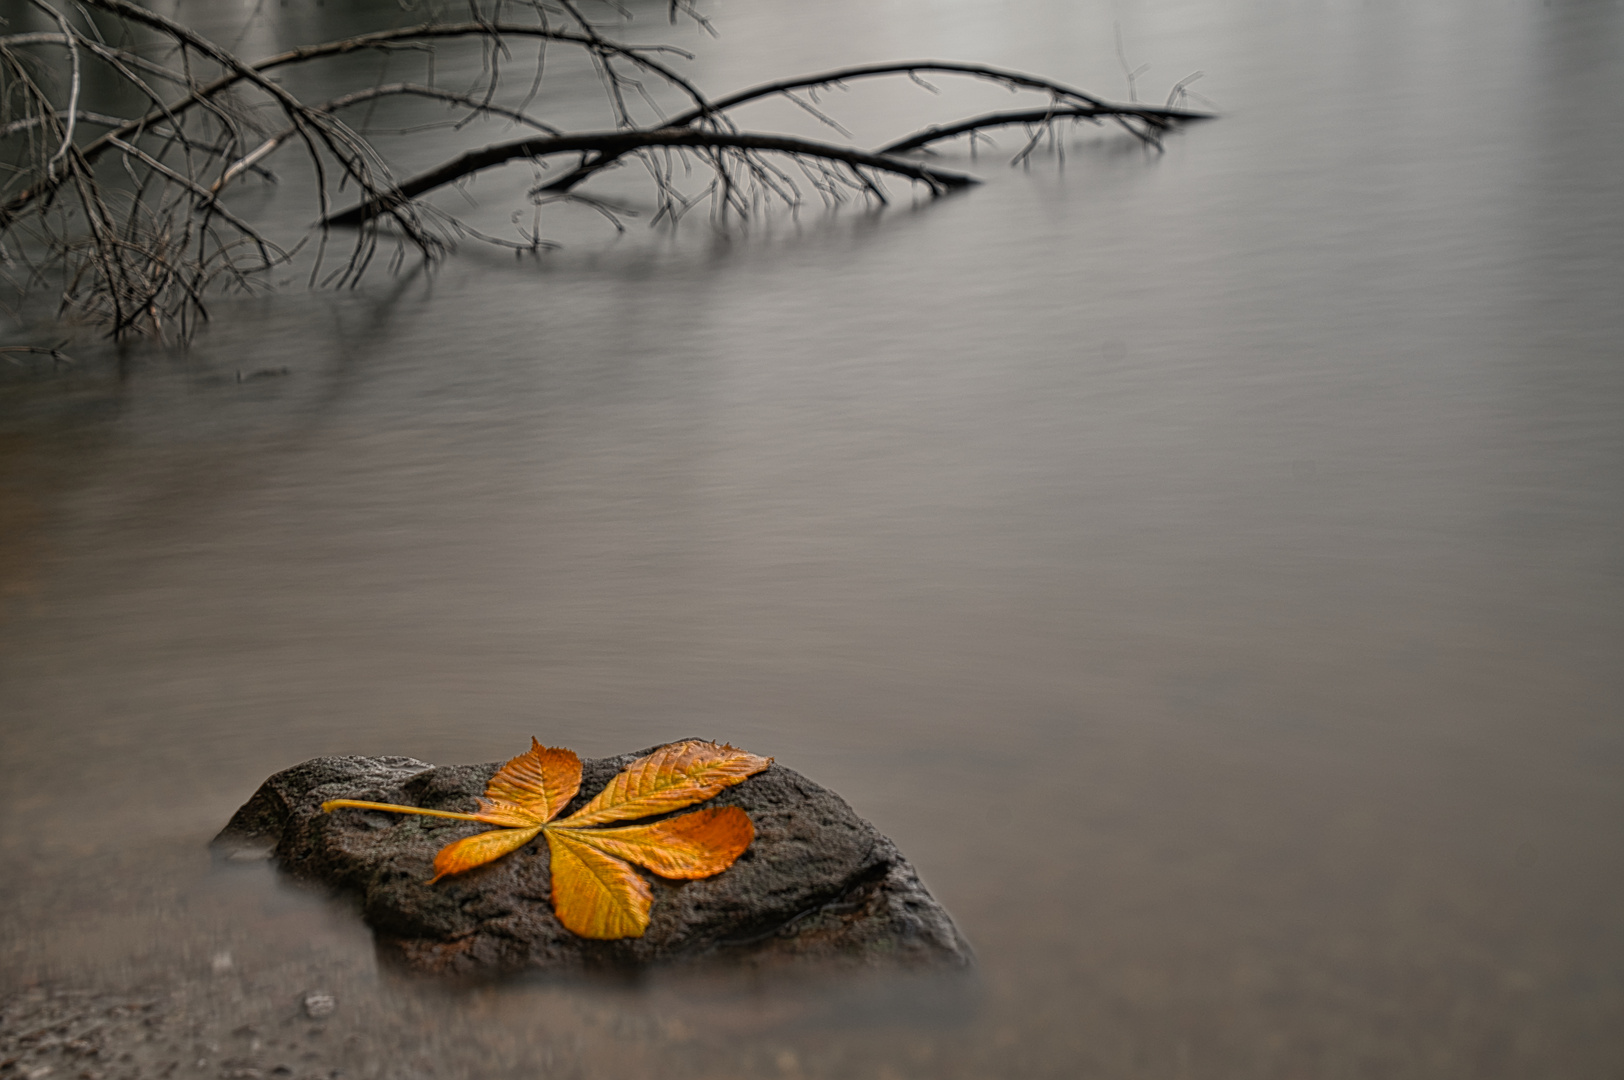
(818, 883)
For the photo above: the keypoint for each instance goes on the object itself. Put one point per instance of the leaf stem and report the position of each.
(333, 804)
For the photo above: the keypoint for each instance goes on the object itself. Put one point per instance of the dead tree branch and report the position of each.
(937, 133)
(117, 158)
(1014, 79)
(615, 144)
(1153, 120)
(373, 93)
(239, 71)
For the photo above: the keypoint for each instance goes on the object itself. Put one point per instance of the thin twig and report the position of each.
(72, 111)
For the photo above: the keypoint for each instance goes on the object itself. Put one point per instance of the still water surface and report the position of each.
(1207, 566)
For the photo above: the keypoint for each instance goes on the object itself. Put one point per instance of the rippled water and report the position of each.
(1207, 566)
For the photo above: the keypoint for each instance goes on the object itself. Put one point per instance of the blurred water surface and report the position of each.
(1207, 566)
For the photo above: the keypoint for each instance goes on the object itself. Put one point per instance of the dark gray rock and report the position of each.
(818, 883)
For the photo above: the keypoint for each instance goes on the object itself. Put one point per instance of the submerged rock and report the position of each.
(817, 883)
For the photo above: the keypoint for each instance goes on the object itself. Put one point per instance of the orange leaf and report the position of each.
(595, 892)
(596, 895)
(532, 788)
(479, 849)
(670, 778)
(695, 845)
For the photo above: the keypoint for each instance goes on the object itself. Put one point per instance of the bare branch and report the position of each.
(1015, 79)
(238, 71)
(202, 193)
(270, 145)
(97, 48)
(54, 353)
(72, 111)
(614, 144)
(28, 123)
(936, 133)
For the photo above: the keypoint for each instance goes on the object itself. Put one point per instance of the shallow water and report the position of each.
(1206, 566)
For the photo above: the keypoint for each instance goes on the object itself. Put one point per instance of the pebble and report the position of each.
(319, 1006)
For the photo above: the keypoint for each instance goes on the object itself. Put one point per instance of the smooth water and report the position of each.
(1207, 566)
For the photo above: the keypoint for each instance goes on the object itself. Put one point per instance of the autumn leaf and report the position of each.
(670, 778)
(596, 893)
(694, 845)
(479, 849)
(535, 785)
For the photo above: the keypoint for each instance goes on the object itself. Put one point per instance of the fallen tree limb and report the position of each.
(936, 133)
(1017, 79)
(1158, 119)
(618, 143)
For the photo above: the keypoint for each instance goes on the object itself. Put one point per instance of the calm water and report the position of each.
(1208, 567)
